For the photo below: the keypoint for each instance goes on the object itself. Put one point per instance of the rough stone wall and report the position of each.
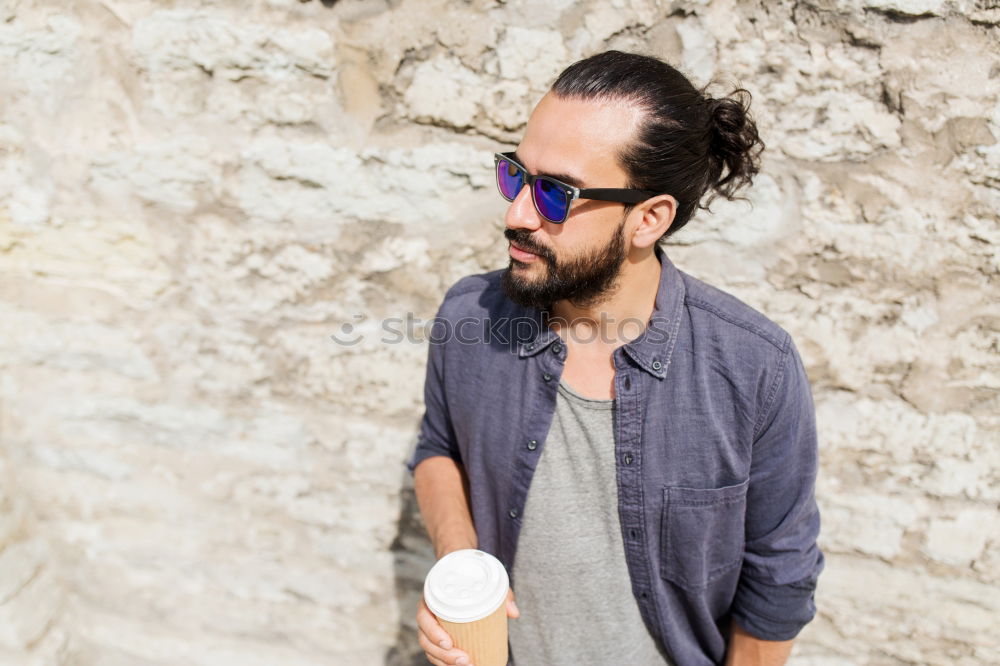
(195, 195)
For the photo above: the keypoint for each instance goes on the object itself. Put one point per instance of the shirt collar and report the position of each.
(652, 350)
(541, 335)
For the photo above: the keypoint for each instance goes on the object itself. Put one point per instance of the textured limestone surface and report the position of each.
(195, 195)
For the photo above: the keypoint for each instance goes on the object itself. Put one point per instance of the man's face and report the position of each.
(580, 260)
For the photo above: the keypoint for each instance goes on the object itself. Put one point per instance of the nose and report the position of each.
(522, 214)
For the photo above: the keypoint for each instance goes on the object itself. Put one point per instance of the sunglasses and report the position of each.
(552, 197)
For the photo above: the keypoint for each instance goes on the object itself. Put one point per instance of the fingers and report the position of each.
(512, 610)
(435, 641)
(438, 655)
(429, 625)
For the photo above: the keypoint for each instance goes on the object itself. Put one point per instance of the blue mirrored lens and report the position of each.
(551, 200)
(509, 179)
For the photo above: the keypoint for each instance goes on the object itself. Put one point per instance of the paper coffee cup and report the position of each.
(467, 591)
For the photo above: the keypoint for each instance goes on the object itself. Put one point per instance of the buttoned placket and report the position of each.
(652, 360)
(628, 449)
(545, 355)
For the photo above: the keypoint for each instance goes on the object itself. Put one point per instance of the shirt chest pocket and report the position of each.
(701, 533)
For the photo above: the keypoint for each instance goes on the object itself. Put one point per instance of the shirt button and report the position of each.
(546, 376)
(529, 346)
(628, 383)
(532, 444)
(628, 458)
(633, 534)
(512, 513)
(656, 365)
(556, 348)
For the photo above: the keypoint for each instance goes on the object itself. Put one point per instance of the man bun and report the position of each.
(735, 145)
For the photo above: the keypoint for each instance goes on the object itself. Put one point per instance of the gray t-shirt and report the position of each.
(571, 581)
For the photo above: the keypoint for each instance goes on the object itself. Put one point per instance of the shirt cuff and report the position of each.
(425, 449)
(774, 612)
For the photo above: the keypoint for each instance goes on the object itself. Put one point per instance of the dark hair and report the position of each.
(688, 141)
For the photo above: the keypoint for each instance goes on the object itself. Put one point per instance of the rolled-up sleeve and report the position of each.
(782, 562)
(436, 436)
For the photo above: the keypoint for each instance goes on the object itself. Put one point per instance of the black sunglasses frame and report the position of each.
(619, 195)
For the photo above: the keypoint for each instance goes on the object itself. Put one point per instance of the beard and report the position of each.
(584, 280)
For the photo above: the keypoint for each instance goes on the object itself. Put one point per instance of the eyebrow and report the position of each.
(564, 177)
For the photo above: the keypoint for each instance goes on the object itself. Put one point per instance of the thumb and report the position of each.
(512, 610)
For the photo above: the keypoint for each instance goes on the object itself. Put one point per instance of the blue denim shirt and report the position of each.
(715, 443)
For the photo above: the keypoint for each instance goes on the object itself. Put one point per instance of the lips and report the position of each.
(515, 245)
(524, 256)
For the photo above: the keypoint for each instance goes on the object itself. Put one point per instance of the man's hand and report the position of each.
(747, 650)
(435, 641)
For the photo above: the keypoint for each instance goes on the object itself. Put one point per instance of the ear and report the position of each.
(655, 217)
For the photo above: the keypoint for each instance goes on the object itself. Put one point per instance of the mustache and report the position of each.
(524, 241)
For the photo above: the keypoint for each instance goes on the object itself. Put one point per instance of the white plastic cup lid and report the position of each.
(465, 586)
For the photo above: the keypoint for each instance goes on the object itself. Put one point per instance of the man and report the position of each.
(642, 457)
